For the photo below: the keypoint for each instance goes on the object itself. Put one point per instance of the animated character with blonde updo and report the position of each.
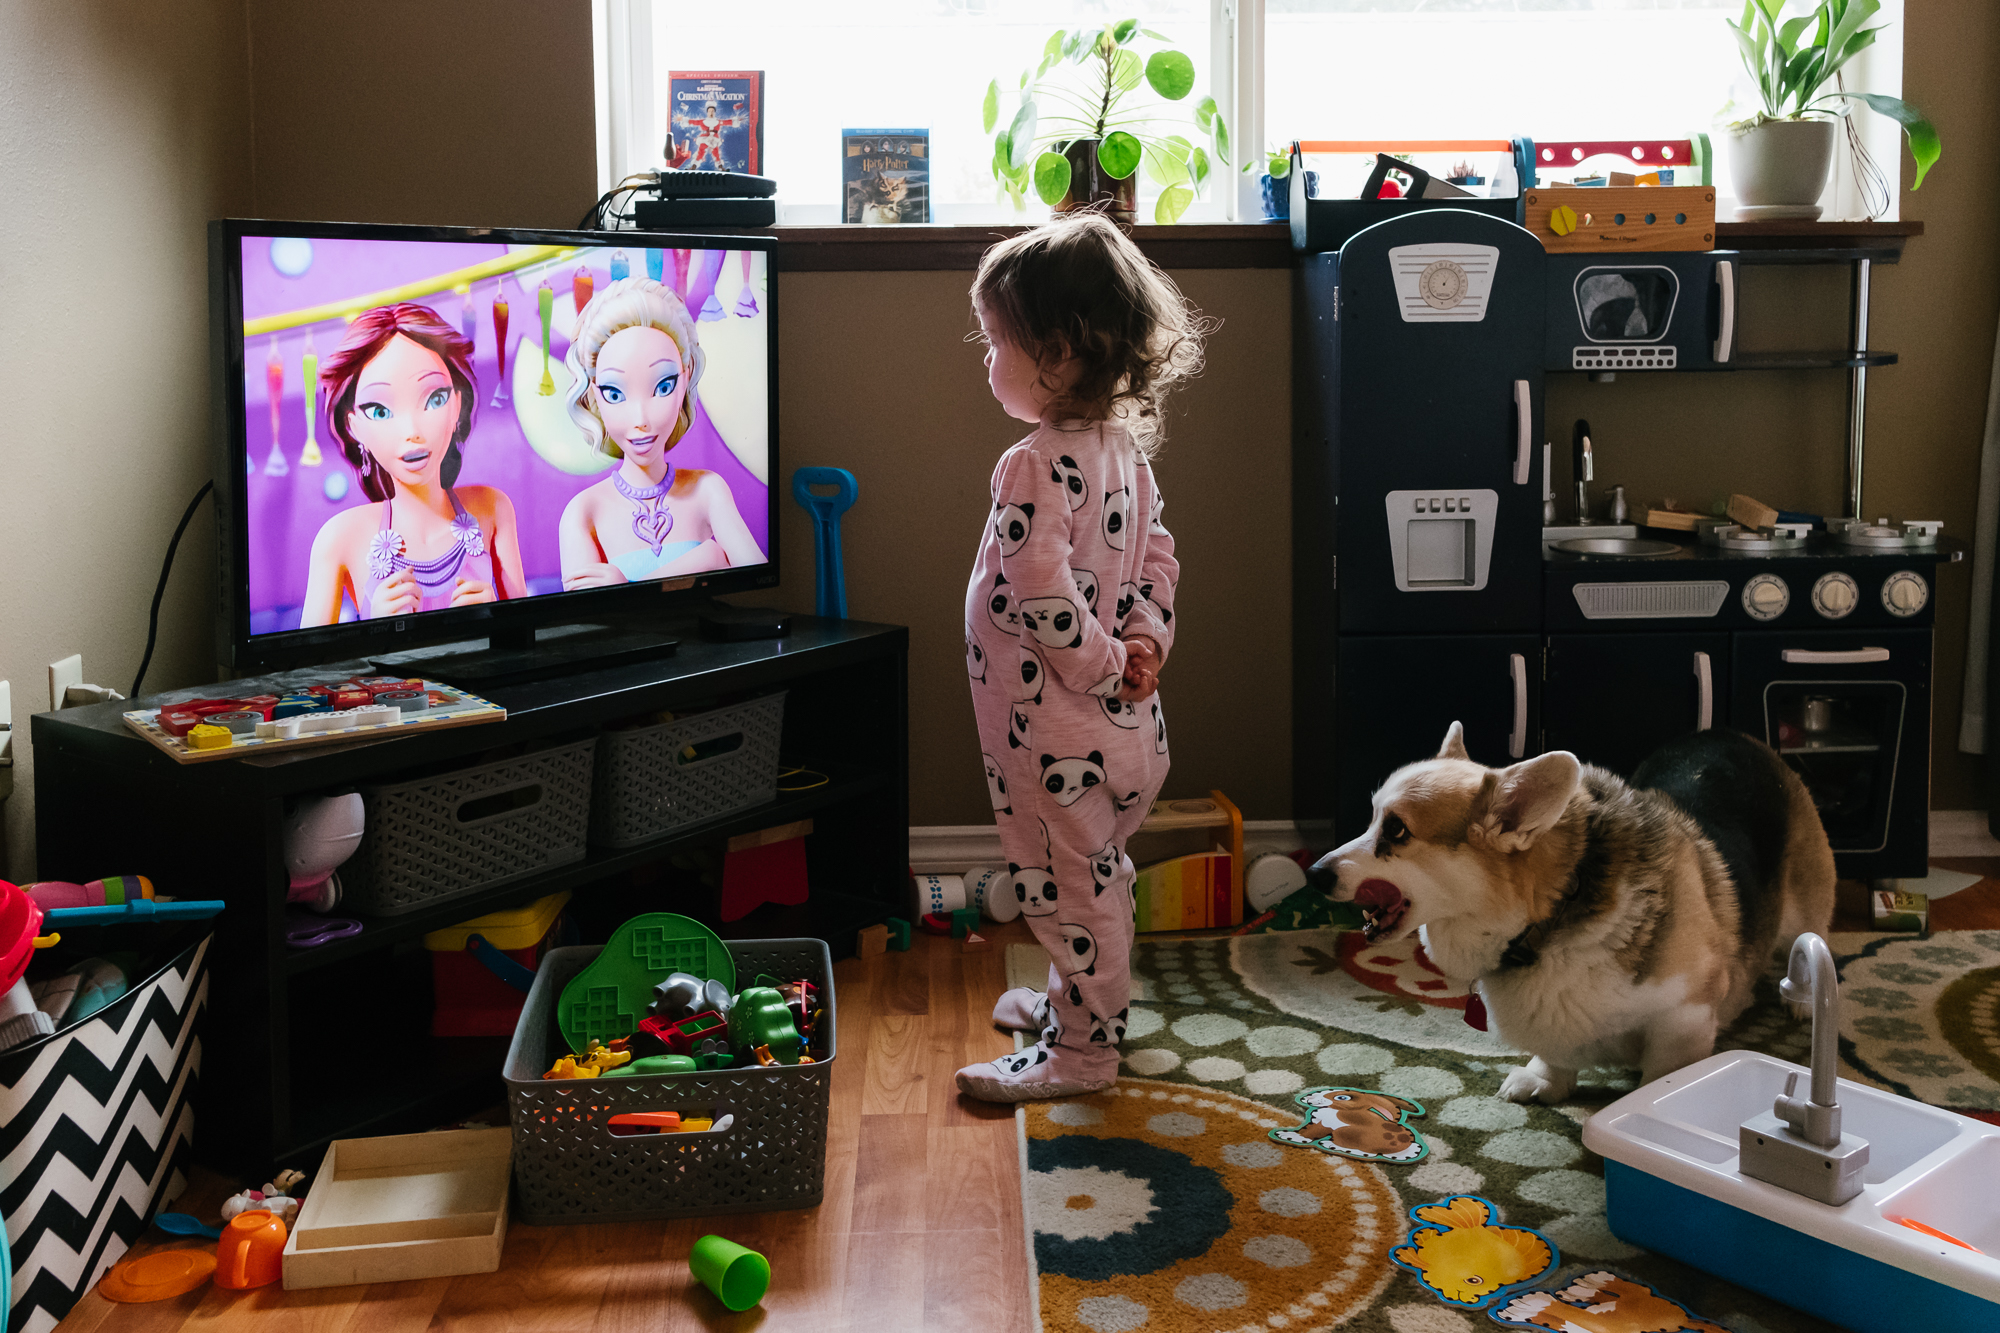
(634, 364)
(399, 393)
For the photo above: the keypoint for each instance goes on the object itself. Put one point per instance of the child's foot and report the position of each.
(1039, 1072)
(1022, 1009)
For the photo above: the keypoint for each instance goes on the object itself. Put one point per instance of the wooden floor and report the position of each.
(920, 1227)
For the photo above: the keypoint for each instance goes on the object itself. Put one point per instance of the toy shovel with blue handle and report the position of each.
(830, 586)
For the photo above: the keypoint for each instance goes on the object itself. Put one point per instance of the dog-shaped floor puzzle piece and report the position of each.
(1602, 1303)
(1465, 1256)
(1357, 1122)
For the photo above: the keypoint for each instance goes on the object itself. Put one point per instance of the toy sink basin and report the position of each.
(1673, 1187)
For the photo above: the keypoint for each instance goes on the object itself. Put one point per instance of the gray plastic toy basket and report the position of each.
(466, 830)
(568, 1167)
(648, 787)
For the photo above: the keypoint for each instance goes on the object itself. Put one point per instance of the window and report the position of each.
(1280, 69)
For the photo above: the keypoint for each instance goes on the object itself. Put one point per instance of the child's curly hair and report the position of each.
(1077, 286)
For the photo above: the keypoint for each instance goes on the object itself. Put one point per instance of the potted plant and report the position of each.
(1780, 156)
(1079, 134)
(1277, 164)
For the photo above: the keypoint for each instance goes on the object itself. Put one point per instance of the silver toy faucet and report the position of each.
(1799, 1144)
(1810, 979)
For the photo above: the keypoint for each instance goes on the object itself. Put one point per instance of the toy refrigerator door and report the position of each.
(1396, 696)
(1612, 699)
(1437, 425)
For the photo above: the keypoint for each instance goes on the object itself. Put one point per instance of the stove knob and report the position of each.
(1835, 595)
(1765, 597)
(1904, 593)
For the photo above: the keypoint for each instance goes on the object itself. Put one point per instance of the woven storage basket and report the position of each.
(647, 786)
(421, 845)
(568, 1167)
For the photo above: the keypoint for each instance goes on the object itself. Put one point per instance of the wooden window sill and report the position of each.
(937, 246)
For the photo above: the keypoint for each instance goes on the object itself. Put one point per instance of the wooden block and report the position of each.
(743, 842)
(1664, 516)
(870, 941)
(1683, 217)
(402, 1207)
(1751, 512)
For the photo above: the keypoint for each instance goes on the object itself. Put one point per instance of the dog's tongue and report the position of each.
(1379, 894)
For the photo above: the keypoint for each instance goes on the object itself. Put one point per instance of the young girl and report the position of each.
(399, 392)
(1069, 617)
(634, 364)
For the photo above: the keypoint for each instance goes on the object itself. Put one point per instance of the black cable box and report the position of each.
(667, 214)
(712, 185)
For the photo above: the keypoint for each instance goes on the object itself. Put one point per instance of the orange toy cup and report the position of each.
(251, 1252)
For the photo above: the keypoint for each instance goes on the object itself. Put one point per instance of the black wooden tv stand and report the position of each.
(302, 1046)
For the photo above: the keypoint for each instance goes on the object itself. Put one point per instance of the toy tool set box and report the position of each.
(481, 969)
(765, 1144)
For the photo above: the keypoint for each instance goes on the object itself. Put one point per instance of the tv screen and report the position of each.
(432, 426)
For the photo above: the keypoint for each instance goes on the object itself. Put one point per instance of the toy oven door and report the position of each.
(1642, 312)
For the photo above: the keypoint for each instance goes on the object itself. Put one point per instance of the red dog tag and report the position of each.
(1475, 1011)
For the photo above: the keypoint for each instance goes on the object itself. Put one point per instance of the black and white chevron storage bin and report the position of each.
(96, 1125)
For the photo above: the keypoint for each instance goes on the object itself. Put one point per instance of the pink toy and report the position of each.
(111, 891)
(20, 923)
(320, 835)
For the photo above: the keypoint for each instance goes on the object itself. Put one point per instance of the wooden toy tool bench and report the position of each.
(302, 1046)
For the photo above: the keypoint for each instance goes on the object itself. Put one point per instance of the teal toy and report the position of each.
(899, 933)
(657, 1064)
(964, 921)
(760, 1017)
(607, 999)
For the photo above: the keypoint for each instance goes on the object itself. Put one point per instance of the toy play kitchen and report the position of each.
(1431, 582)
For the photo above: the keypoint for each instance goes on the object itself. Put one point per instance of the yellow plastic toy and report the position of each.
(599, 1059)
(204, 737)
(1467, 1258)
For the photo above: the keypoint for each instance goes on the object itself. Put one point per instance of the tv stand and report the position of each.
(513, 656)
(302, 1046)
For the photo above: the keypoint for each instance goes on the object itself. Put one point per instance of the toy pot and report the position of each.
(1090, 185)
(251, 1251)
(1782, 163)
(738, 1276)
(1277, 197)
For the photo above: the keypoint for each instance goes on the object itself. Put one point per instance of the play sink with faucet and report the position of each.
(1690, 1162)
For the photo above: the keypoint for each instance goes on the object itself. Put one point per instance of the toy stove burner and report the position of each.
(1884, 534)
(1759, 541)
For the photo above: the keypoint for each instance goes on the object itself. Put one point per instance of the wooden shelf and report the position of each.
(1797, 234)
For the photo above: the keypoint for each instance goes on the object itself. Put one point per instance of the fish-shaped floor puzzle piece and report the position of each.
(1465, 1256)
(1602, 1303)
(1357, 1122)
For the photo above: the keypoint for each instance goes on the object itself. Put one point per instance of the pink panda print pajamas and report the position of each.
(1074, 559)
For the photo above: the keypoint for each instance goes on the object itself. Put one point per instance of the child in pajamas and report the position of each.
(1069, 618)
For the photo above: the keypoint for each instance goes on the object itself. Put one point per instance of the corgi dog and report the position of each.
(1599, 921)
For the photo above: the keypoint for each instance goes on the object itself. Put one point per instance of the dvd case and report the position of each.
(715, 120)
(885, 175)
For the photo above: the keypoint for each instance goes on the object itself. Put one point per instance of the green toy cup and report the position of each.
(738, 1276)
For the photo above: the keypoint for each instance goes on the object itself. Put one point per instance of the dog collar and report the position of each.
(1524, 950)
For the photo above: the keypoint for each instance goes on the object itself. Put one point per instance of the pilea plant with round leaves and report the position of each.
(1087, 87)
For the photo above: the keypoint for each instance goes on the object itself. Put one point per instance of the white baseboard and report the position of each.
(952, 849)
(1962, 833)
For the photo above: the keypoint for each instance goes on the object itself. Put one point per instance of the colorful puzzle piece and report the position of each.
(1357, 1122)
(1465, 1256)
(1602, 1302)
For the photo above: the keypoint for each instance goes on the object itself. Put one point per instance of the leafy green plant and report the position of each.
(1794, 59)
(1276, 162)
(1086, 87)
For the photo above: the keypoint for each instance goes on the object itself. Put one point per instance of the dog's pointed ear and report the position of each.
(1454, 743)
(1527, 800)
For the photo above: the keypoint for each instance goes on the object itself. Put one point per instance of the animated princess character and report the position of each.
(634, 364)
(708, 130)
(399, 395)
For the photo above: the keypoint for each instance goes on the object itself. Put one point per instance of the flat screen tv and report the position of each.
(433, 434)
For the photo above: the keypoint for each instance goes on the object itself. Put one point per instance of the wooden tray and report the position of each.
(407, 1206)
(1683, 217)
(463, 710)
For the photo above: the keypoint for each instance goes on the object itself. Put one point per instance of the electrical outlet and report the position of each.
(62, 675)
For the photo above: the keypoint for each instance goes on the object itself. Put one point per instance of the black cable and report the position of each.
(153, 621)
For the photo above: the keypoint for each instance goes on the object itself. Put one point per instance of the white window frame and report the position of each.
(622, 39)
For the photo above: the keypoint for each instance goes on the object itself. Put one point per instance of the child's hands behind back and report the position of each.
(1142, 668)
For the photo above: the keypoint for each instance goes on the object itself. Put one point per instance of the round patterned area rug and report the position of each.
(1156, 1207)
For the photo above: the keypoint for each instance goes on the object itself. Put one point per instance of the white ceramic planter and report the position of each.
(1782, 164)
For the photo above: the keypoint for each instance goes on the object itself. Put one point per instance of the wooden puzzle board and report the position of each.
(461, 710)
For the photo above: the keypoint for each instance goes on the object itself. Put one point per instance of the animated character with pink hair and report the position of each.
(399, 394)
